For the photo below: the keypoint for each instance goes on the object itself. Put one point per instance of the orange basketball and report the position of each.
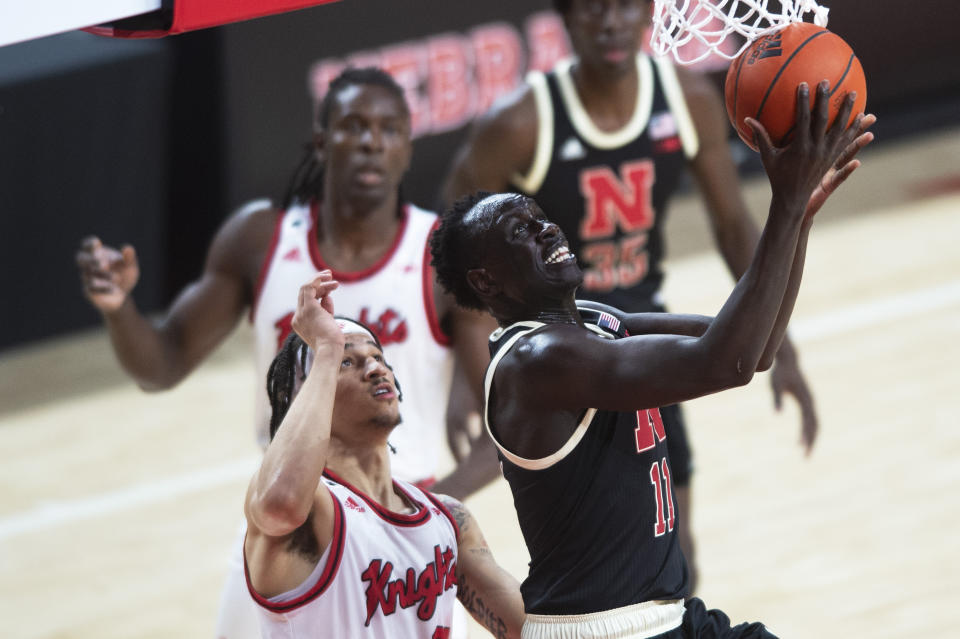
(762, 82)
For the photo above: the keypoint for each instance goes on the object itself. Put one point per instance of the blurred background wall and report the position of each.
(155, 142)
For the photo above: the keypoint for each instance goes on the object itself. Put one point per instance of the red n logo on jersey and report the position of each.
(611, 201)
(649, 426)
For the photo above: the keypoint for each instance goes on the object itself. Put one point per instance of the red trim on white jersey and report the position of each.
(265, 267)
(429, 301)
(398, 519)
(326, 577)
(355, 276)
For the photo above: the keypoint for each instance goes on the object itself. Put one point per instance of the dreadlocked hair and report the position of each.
(306, 183)
(453, 247)
(282, 378)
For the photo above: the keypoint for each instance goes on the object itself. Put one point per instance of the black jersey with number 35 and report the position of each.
(598, 516)
(608, 190)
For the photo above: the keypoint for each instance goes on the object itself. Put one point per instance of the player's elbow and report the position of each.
(731, 372)
(277, 513)
(765, 362)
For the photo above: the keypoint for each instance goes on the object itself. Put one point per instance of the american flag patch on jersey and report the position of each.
(662, 125)
(606, 320)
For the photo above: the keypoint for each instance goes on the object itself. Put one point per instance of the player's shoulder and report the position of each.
(514, 111)
(691, 80)
(699, 89)
(251, 218)
(541, 348)
(704, 102)
(245, 234)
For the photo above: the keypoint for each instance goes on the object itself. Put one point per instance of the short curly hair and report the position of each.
(454, 247)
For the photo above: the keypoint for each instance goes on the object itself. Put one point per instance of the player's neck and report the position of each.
(609, 96)
(354, 238)
(366, 468)
(548, 312)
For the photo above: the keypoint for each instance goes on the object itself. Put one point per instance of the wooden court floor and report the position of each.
(118, 508)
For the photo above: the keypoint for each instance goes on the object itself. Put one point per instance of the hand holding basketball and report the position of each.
(797, 171)
(842, 168)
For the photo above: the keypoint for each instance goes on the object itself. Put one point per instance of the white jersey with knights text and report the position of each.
(384, 574)
(394, 297)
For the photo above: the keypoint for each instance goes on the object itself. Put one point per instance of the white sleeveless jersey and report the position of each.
(395, 298)
(384, 575)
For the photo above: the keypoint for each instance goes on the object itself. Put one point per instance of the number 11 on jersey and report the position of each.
(663, 492)
(649, 433)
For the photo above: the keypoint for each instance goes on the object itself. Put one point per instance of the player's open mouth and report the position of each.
(560, 254)
(370, 177)
(383, 391)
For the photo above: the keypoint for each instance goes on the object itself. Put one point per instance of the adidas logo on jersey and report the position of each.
(352, 504)
(572, 149)
(293, 255)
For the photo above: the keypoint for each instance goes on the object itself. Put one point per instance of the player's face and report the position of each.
(366, 391)
(526, 253)
(366, 145)
(606, 34)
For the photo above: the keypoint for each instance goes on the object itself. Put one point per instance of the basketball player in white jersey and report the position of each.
(343, 212)
(335, 546)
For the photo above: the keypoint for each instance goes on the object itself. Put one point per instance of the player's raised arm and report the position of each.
(489, 593)
(159, 354)
(655, 370)
(284, 493)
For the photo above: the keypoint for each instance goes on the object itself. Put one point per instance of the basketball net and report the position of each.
(692, 30)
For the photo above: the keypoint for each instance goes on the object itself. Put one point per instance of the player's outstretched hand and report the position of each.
(843, 168)
(313, 320)
(787, 378)
(107, 275)
(798, 169)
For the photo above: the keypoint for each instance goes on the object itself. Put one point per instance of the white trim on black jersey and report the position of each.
(581, 121)
(673, 93)
(578, 433)
(531, 181)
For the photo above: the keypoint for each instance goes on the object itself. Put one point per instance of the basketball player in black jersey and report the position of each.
(601, 145)
(571, 405)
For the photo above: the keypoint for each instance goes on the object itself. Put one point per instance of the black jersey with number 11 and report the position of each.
(598, 516)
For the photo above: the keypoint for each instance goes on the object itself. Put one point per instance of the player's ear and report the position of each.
(319, 143)
(482, 283)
